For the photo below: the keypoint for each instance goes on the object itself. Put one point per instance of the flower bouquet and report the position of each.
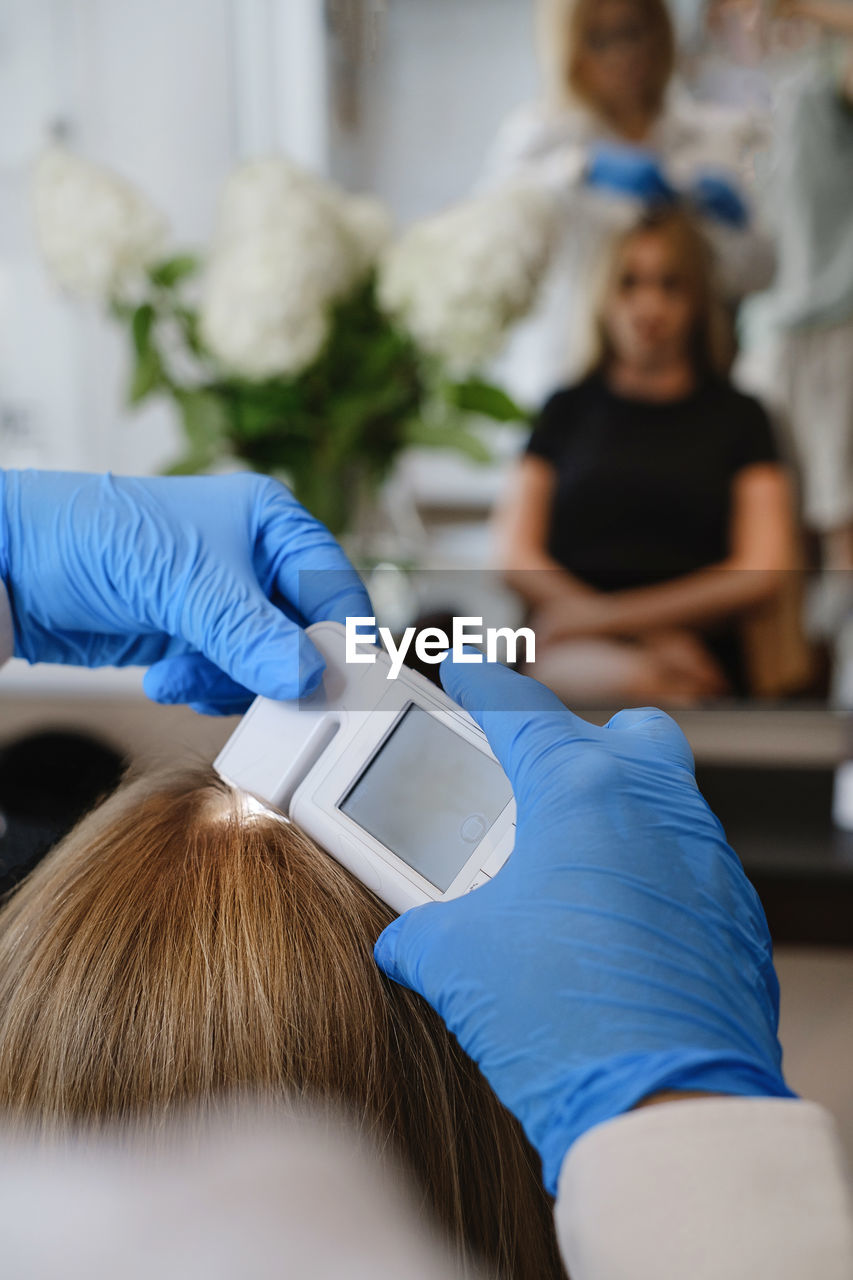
(309, 343)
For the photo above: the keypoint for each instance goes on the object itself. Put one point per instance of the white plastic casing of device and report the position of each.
(304, 757)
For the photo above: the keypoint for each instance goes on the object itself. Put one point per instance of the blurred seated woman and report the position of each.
(650, 508)
(179, 947)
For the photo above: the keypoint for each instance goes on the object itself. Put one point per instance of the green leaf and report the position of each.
(476, 396)
(142, 325)
(205, 421)
(351, 418)
(189, 322)
(171, 272)
(447, 436)
(147, 375)
(254, 419)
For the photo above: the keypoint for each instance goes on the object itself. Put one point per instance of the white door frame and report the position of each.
(281, 79)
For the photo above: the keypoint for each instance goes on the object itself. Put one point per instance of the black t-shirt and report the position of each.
(643, 488)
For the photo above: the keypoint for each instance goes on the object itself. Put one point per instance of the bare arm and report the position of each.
(521, 528)
(762, 549)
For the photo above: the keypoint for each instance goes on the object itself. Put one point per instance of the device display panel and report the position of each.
(429, 795)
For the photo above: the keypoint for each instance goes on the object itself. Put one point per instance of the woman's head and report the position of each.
(177, 948)
(615, 56)
(658, 304)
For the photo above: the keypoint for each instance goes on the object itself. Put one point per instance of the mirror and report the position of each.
(427, 107)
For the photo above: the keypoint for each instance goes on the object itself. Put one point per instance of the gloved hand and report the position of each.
(206, 578)
(621, 950)
(630, 171)
(716, 197)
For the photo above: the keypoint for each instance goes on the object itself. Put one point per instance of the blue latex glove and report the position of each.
(193, 577)
(630, 171)
(620, 951)
(716, 197)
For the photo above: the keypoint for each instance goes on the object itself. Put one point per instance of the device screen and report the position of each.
(429, 795)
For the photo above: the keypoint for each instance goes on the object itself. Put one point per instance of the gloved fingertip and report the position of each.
(158, 688)
(310, 675)
(655, 726)
(385, 951)
(631, 718)
(354, 604)
(284, 674)
(461, 679)
(192, 679)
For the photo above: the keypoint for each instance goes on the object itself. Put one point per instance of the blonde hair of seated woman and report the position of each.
(175, 950)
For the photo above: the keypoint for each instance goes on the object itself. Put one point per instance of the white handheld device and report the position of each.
(390, 776)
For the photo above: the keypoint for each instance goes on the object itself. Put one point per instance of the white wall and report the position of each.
(445, 74)
(144, 86)
(36, 338)
(154, 98)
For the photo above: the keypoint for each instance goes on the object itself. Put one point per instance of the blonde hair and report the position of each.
(561, 28)
(173, 950)
(711, 342)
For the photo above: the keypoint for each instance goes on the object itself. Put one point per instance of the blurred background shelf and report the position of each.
(110, 704)
(784, 735)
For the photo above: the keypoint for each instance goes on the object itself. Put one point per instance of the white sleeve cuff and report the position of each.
(734, 1187)
(7, 634)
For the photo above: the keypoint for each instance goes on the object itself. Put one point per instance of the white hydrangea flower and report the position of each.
(370, 223)
(288, 246)
(265, 310)
(267, 298)
(256, 197)
(96, 231)
(457, 281)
